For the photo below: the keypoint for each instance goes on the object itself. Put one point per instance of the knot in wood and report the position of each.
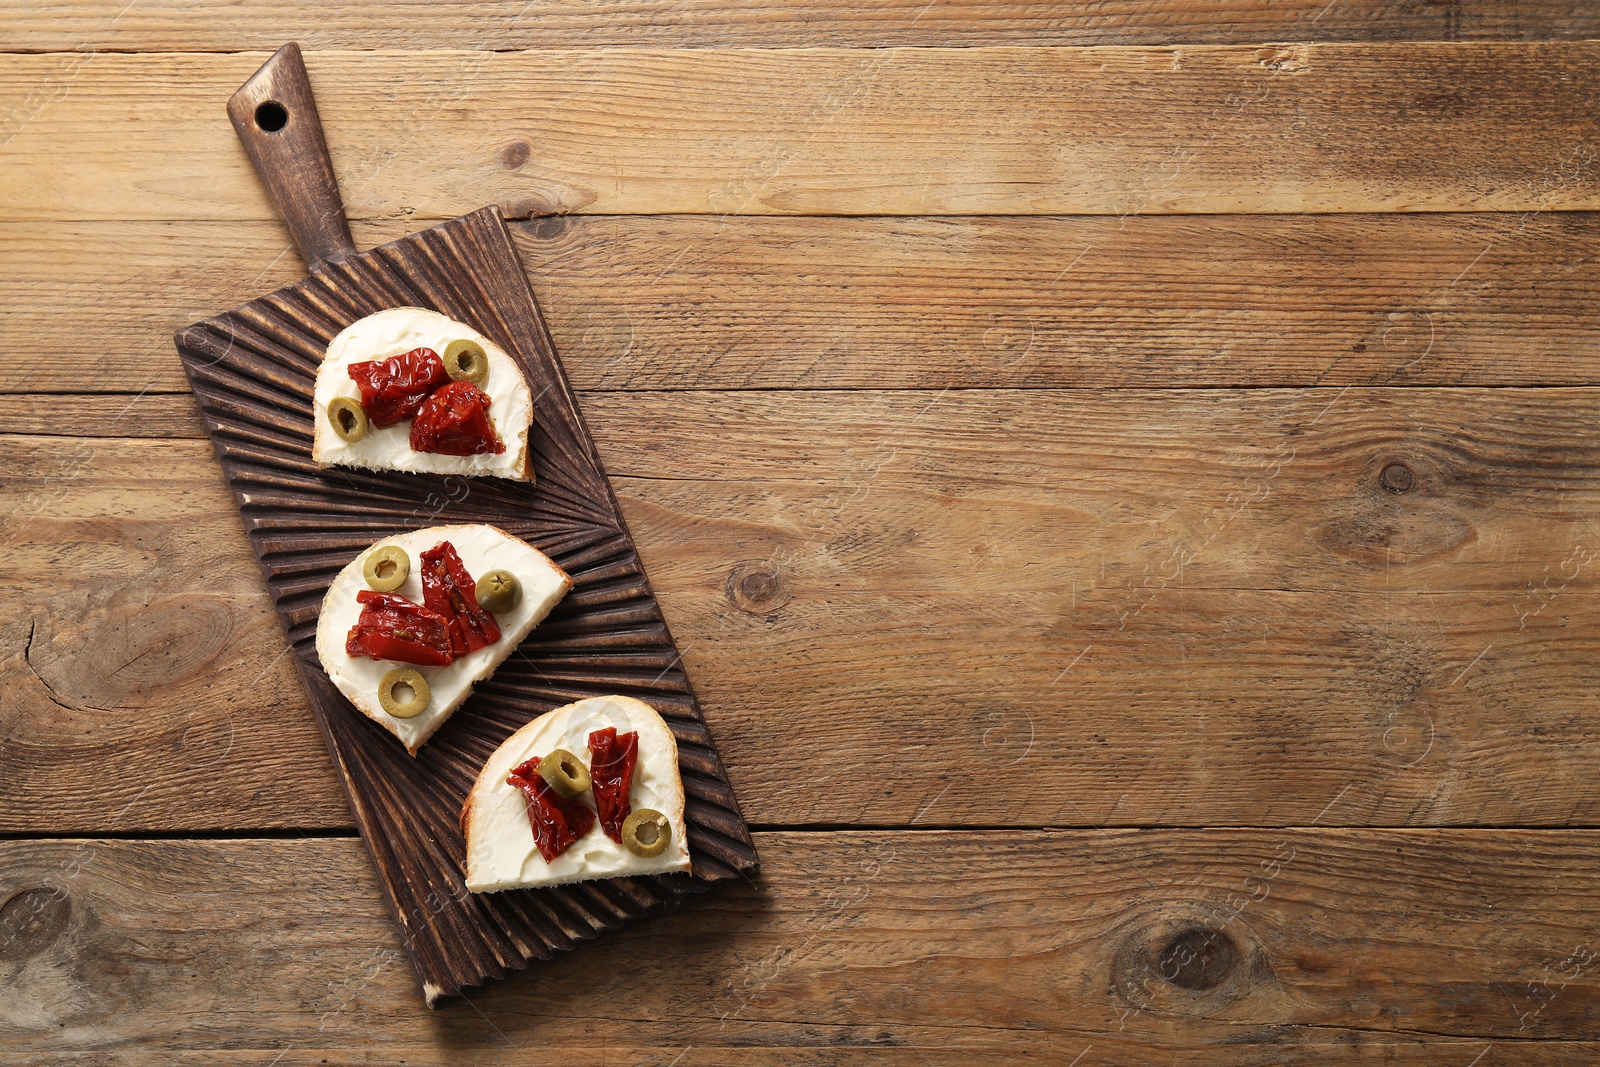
(31, 921)
(757, 587)
(515, 154)
(1197, 959)
(1397, 478)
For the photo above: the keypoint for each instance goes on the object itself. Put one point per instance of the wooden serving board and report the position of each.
(253, 371)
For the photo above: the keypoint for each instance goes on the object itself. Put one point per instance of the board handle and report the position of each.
(275, 116)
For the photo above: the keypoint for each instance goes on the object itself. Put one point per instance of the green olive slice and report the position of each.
(348, 419)
(386, 568)
(646, 833)
(404, 693)
(466, 361)
(498, 592)
(564, 773)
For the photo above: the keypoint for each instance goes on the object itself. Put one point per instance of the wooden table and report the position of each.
(1125, 488)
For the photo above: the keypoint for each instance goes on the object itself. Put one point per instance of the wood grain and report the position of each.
(1117, 947)
(687, 302)
(119, 636)
(275, 117)
(1292, 128)
(170, 25)
(1049, 583)
(909, 579)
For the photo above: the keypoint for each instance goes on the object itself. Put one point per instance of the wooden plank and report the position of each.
(118, 636)
(172, 26)
(1202, 947)
(688, 302)
(1114, 130)
(1067, 588)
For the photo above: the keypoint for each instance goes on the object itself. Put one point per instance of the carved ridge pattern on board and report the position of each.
(253, 371)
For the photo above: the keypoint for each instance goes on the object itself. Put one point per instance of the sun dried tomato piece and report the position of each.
(392, 627)
(611, 777)
(393, 389)
(557, 822)
(447, 588)
(454, 421)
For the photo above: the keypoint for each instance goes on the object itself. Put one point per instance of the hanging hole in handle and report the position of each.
(271, 116)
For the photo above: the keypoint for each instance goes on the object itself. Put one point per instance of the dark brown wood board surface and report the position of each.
(253, 371)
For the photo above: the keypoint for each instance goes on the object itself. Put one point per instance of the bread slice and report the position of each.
(389, 333)
(482, 548)
(500, 850)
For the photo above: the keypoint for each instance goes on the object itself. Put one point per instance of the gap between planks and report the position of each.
(337, 833)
